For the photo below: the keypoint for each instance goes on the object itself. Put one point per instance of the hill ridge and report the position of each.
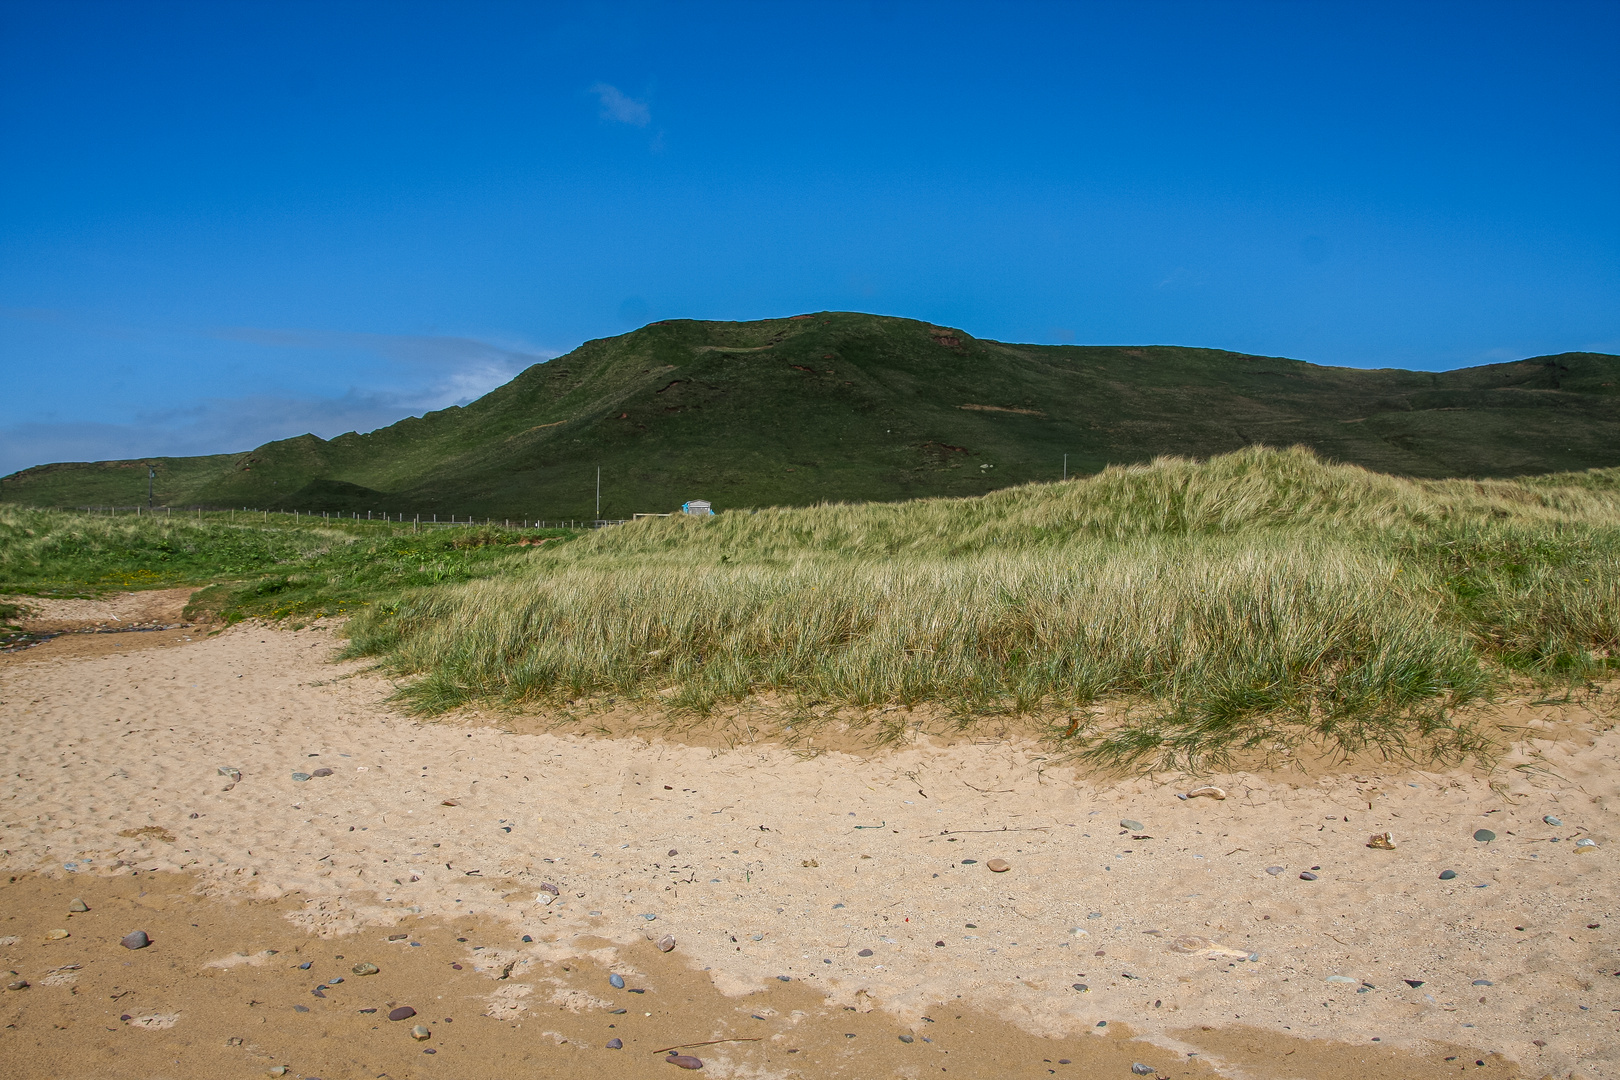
(843, 406)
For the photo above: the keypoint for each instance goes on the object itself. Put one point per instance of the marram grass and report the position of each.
(1257, 597)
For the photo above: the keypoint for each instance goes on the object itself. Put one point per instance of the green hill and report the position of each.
(843, 406)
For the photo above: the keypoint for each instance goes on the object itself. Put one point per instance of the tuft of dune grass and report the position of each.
(1260, 596)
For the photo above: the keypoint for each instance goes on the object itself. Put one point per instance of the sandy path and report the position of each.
(784, 866)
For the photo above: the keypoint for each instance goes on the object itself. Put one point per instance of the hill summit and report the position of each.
(843, 406)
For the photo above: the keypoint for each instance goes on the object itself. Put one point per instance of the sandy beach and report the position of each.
(253, 806)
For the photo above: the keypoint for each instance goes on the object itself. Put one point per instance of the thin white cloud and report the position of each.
(438, 372)
(620, 107)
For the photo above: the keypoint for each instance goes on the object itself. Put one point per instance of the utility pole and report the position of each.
(599, 493)
(151, 474)
(1065, 466)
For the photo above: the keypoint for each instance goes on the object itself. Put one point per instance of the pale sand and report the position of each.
(774, 877)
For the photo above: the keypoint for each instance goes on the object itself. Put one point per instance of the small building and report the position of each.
(697, 508)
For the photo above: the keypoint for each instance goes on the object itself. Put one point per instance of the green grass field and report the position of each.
(1173, 613)
(269, 565)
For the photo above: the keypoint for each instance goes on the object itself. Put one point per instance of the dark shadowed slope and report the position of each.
(845, 406)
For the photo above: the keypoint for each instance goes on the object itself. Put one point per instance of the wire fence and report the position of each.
(418, 521)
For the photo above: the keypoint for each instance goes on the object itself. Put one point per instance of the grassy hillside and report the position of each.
(1255, 600)
(850, 407)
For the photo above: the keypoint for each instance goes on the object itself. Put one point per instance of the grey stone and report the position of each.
(616, 981)
(321, 772)
(666, 943)
(300, 776)
(1483, 982)
(907, 1039)
(1307, 876)
(404, 1012)
(864, 952)
(1133, 826)
(1484, 836)
(137, 940)
(1275, 870)
(1447, 875)
(1549, 819)
(615, 1044)
(77, 906)
(1142, 1070)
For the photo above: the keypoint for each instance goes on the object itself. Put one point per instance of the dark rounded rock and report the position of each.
(1082, 987)
(685, 1061)
(1307, 876)
(404, 1012)
(321, 772)
(137, 940)
(1484, 836)
(907, 1039)
(615, 1044)
(1447, 875)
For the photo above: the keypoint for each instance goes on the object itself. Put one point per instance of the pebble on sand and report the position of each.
(616, 981)
(1550, 820)
(666, 943)
(404, 1012)
(1142, 1070)
(998, 866)
(1207, 793)
(864, 952)
(56, 935)
(321, 772)
(1275, 870)
(907, 1039)
(420, 1032)
(615, 1044)
(17, 984)
(78, 906)
(365, 969)
(1307, 876)
(1484, 836)
(137, 940)
(1585, 844)
(1447, 875)
(300, 776)
(1383, 841)
(685, 1061)
(1133, 826)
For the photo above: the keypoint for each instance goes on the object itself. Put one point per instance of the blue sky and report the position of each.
(223, 223)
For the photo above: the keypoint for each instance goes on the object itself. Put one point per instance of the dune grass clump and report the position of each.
(1257, 597)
